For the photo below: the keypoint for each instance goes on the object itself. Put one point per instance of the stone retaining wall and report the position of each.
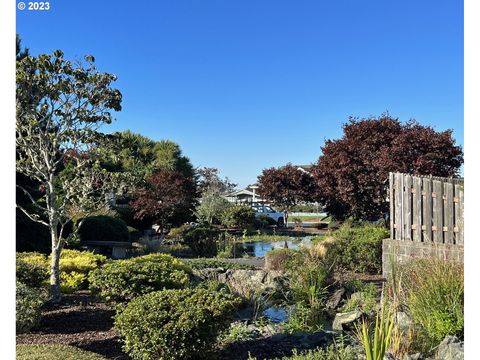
(404, 250)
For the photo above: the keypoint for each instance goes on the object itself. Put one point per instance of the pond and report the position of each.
(260, 248)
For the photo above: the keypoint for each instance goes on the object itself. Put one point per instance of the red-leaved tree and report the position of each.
(167, 197)
(286, 186)
(352, 172)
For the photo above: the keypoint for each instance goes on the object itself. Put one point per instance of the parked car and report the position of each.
(262, 209)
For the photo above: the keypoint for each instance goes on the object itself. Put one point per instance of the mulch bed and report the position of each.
(79, 320)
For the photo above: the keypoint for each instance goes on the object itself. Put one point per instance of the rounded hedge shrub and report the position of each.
(28, 303)
(241, 216)
(103, 228)
(202, 240)
(357, 249)
(123, 280)
(54, 351)
(174, 324)
(32, 269)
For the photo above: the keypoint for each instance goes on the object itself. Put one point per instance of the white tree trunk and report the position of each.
(55, 267)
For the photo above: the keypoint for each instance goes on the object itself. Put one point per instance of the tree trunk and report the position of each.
(55, 268)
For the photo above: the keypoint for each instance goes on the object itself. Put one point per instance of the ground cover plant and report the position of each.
(174, 324)
(123, 280)
(50, 352)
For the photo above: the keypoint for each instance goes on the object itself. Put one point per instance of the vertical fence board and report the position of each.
(448, 212)
(460, 219)
(392, 204)
(398, 206)
(427, 210)
(407, 207)
(437, 211)
(417, 209)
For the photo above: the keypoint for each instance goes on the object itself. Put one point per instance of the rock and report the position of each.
(246, 282)
(416, 356)
(404, 321)
(451, 348)
(334, 300)
(388, 356)
(342, 319)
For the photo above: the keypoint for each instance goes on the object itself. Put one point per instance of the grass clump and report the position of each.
(210, 263)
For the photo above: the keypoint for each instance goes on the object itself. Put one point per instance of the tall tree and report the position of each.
(352, 172)
(286, 186)
(60, 106)
(167, 197)
(210, 182)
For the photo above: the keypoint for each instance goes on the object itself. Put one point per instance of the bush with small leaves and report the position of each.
(174, 324)
(123, 280)
(103, 228)
(71, 282)
(28, 303)
(357, 249)
(241, 217)
(32, 269)
(202, 240)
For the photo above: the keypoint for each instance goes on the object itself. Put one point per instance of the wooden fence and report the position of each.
(426, 209)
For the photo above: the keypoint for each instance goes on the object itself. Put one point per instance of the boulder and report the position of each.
(246, 282)
(335, 299)
(417, 356)
(344, 319)
(403, 321)
(451, 348)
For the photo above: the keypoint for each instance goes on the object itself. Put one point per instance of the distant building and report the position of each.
(305, 168)
(247, 195)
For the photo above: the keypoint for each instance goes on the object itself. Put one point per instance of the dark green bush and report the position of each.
(28, 303)
(263, 221)
(54, 351)
(123, 280)
(32, 269)
(357, 249)
(199, 264)
(241, 217)
(174, 324)
(202, 240)
(103, 228)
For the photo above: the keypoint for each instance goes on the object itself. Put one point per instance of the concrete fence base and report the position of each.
(403, 250)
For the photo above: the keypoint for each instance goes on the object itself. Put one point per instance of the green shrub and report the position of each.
(237, 333)
(123, 280)
(364, 297)
(278, 259)
(304, 318)
(177, 233)
(357, 249)
(174, 324)
(71, 282)
(263, 221)
(54, 351)
(177, 250)
(241, 217)
(202, 240)
(199, 264)
(80, 261)
(28, 303)
(309, 279)
(32, 269)
(434, 293)
(103, 228)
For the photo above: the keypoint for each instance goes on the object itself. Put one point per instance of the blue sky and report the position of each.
(245, 85)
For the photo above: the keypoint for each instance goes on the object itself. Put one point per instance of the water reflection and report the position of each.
(260, 248)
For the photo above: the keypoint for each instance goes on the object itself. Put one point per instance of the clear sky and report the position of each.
(243, 85)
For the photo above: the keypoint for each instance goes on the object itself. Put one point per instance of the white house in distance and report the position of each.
(244, 196)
